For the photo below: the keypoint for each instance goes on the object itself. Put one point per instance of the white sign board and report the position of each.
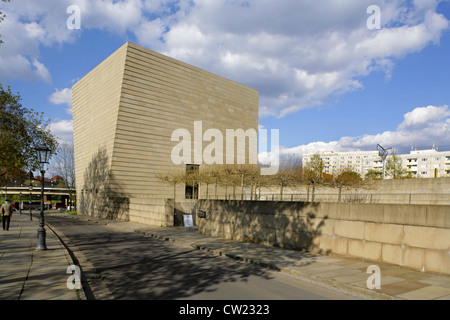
(188, 220)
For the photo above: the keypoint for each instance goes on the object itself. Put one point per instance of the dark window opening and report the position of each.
(191, 191)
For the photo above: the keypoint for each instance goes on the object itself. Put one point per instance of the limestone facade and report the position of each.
(124, 113)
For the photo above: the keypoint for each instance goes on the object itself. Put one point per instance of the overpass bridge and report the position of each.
(25, 192)
(36, 190)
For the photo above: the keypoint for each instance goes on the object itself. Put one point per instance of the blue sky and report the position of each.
(326, 80)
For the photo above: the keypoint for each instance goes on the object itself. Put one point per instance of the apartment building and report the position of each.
(427, 163)
(419, 163)
(358, 161)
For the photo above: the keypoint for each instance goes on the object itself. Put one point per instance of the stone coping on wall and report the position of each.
(437, 216)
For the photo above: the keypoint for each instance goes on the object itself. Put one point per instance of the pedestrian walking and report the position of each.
(6, 214)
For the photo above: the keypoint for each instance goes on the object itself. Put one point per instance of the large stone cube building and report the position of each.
(125, 111)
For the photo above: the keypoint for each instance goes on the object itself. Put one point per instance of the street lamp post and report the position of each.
(383, 153)
(43, 152)
(31, 189)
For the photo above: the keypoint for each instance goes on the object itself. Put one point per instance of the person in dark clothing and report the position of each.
(7, 211)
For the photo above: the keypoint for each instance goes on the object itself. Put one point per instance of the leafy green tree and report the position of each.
(373, 175)
(347, 179)
(313, 172)
(394, 167)
(315, 166)
(21, 130)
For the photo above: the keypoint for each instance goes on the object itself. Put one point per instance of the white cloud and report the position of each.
(306, 52)
(392, 42)
(423, 126)
(114, 16)
(423, 116)
(20, 67)
(63, 96)
(41, 71)
(24, 30)
(298, 54)
(149, 33)
(63, 130)
(30, 25)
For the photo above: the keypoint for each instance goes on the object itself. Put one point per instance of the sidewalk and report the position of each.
(41, 275)
(28, 274)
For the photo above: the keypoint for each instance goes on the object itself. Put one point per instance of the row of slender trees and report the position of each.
(291, 174)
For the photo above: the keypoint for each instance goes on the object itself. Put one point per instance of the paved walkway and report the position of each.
(30, 274)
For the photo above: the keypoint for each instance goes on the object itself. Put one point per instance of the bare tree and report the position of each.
(230, 177)
(289, 174)
(261, 181)
(173, 179)
(64, 166)
(249, 174)
(211, 175)
(236, 175)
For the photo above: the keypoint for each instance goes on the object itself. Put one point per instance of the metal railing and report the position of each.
(370, 197)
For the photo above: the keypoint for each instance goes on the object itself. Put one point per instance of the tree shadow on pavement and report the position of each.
(134, 266)
(285, 224)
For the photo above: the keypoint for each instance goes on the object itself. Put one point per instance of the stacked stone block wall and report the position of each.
(413, 236)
